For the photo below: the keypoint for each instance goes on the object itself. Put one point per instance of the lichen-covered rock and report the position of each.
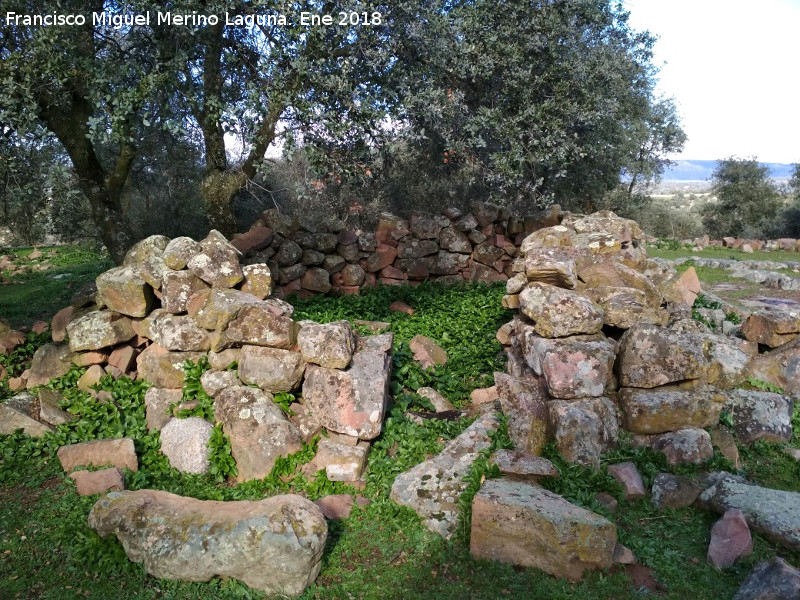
(522, 466)
(330, 345)
(760, 415)
(214, 382)
(146, 248)
(453, 240)
(218, 263)
(49, 360)
(584, 428)
(682, 288)
(179, 251)
(273, 545)
(772, 326)
(573, 367)
(179, 332)
(689, 445)
(257, 280)
(524, 402)
(557, 312)
(259, 431)
(259, 325)
(446, 263)
(670, 408)
(649, 356)
(222, 306)
(123, 290)
(773, 513)
(99, 329)
(674, 491)
(624, 307)
(432, 488)
(555, 266)
(272, 369)
(185, 444)
(352, 401)
(780, 367)
(157, 402)
(546, 531)
(176, 289)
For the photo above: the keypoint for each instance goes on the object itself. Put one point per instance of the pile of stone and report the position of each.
(747, 245)
(478, 245)
(174, 301)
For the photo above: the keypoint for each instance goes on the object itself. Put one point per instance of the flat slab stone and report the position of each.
(273, 545)
(521, 466)
(524, 524)
(98, 482)
(117, 452)
(11, 420)
(670, 408)
(99, 329)
(773, 513)
(432, 488)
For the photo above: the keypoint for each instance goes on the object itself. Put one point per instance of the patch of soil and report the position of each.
(642, 579)
(27, 496)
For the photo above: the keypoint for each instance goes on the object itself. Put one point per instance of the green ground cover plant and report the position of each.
(381, 551)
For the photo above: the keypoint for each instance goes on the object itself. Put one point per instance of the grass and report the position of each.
(726, 253)
(48, 551)
(28, 297)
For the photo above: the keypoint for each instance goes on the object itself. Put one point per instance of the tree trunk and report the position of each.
(219, 189)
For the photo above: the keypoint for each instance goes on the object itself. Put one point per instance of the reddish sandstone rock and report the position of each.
(772, 326)
(524, 402)
(58, 326)
(730, 540)
(427, 352)
(628, 476)
(98, 482)
(116, 452)
(257, 238)
(123, 290)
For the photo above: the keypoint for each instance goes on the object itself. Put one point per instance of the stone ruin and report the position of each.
(603, 343)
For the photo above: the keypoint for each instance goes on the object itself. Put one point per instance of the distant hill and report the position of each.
(700, 170)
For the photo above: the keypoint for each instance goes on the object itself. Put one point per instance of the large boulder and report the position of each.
(557, 312)
(772, 326)
(773, 513)
(259, 431)
(650, 356)
(330, 345)
(352, 401)
(99, 329)
(432, 488)
(545, 532)
(670, 408)
(584, 429)
(218, 263)
(760, 416)
(573, 367)
(524, 402)
(272, 369)
(273, 545)
(124, 290)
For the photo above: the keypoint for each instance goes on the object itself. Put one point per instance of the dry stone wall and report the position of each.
(478, 245)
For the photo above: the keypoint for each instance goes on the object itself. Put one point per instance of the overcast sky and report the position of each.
(733, 66)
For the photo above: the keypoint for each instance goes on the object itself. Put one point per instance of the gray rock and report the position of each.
(157, 402)
(179, 251)
(774, 579)
(760, 416)
(330, 345)
(179, 333)
(773, 513)
(214, 382)
(273, 545)
(11, 420)
(584, 429)
(432, 488)
(674, 491)
(185, 444)
(218, 263)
